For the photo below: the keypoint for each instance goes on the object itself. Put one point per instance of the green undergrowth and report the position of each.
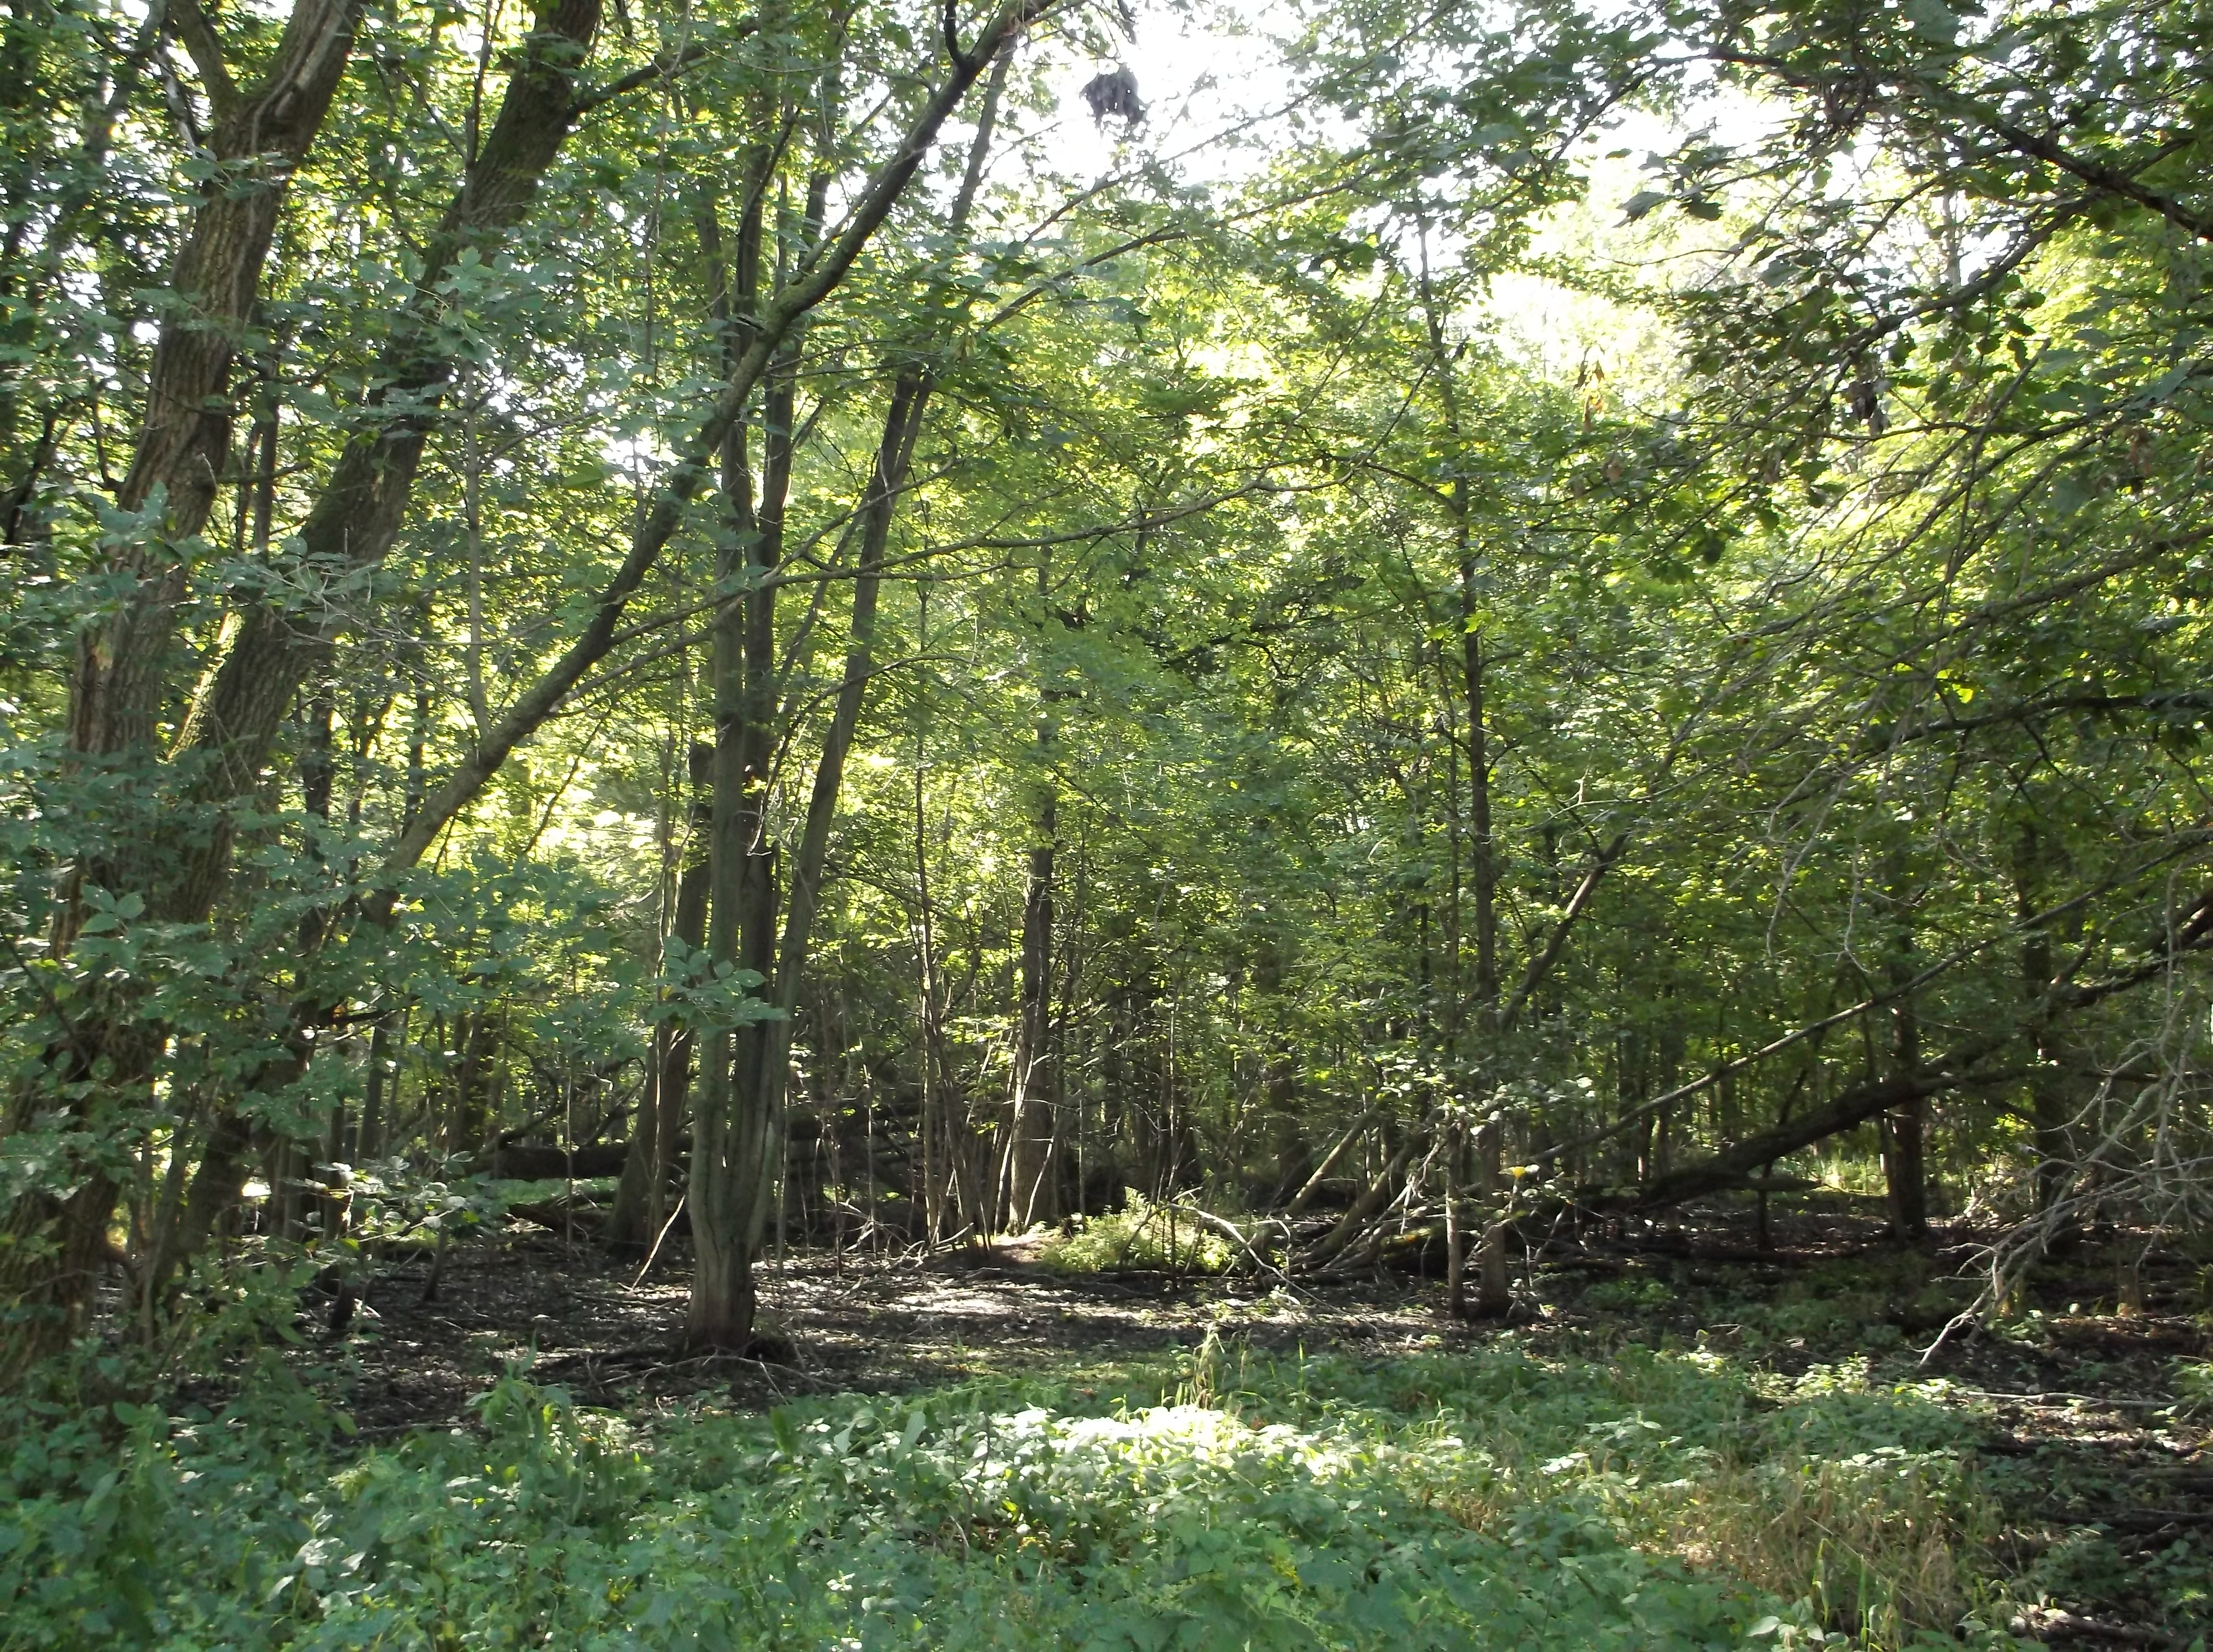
(1881, 1304)
(1142, 1234)
(1479, 1500)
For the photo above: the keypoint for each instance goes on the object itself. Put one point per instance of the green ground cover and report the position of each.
(1642, 1499)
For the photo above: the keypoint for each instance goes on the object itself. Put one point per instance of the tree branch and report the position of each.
(204, 47)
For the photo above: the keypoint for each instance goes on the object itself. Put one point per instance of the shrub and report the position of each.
(1142, 1234)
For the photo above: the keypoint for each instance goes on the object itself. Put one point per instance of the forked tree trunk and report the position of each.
(121, 681)
(122, 678)
(268, 650)
(733, 1158)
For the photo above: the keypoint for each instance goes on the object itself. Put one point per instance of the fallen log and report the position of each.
(1961, 1066)
(1353, 1133)
(562, 1214)
(1734, 1168)
(1380, 1194)
(1229, 1230)
(1738, 1164)
(518, 1162)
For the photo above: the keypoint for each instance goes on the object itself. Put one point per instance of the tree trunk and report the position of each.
(1905, 1126)
(730, 1161)
(1030, 1123)
(933, 1137)
(765, 337)
(1482, 867)
(1733, 1165)
(50, 1260)
(120, 680)
(1455, 1250)
(2051, 1113)
(723, 1301)
(370, 1142)
(1494, 1293)
(734, 1154)
(122, 676)
(268, 650)
(640, 1200)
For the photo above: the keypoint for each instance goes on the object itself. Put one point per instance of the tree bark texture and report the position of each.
(268, 650)
(121, 679)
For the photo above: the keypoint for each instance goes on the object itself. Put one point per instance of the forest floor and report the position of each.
(1682, 1439)
(2092, 1460)
(860, 1324)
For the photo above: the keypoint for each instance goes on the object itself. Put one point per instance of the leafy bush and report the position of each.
(1636, 1290)
(2193, 1387)
(1142, 1234)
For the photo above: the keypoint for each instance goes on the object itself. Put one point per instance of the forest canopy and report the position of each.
(1387, 624)
(676, 579)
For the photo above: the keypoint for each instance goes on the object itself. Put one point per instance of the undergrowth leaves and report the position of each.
(1485, 1501)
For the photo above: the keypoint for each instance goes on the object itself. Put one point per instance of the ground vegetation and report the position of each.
(671, 653)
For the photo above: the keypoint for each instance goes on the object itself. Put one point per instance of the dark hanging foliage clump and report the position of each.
(1114, 95)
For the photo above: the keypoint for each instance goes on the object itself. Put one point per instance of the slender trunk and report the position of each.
(2049, 1112)
(1070, 1138)
(1493, 1287)
(1455, 1253)
(1905, 1126)
(370, 1142)
(317, 776)
(1030, 1119)
(929, 1132)
(630, 1223)
(640, 1207)
(1483, 878)
(1483, 875)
